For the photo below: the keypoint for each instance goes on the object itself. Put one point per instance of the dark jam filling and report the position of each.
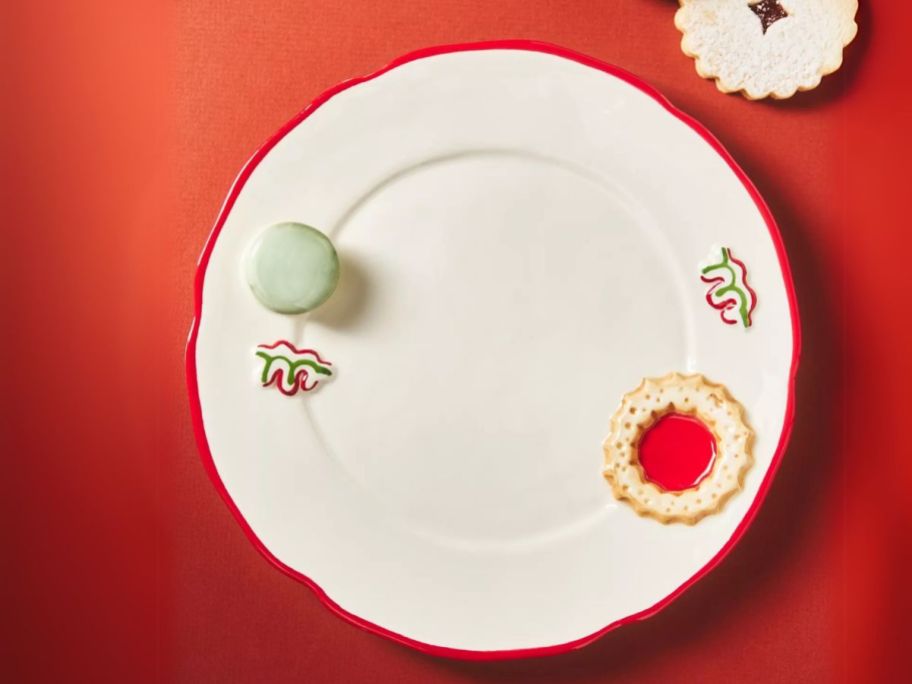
(769, 11)
(677, 452)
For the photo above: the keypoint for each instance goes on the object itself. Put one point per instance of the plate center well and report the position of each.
(511, 301)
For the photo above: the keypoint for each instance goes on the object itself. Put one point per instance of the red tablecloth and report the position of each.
(124, 125)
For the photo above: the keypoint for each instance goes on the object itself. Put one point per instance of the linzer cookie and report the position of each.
(678, 449)
(766, 47)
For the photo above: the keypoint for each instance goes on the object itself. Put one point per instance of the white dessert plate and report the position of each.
(521, 231)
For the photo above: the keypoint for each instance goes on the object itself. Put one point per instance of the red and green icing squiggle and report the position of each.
(291, 369)
(729, 292)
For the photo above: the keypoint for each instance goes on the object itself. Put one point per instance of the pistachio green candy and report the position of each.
(292, 268)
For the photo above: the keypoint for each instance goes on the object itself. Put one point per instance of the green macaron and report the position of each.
(292, 268)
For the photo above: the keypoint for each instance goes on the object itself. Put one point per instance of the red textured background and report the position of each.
(123, 125)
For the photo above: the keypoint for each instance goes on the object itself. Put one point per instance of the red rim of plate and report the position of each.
(196, 410)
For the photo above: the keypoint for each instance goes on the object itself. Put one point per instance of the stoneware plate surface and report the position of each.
(520, 231)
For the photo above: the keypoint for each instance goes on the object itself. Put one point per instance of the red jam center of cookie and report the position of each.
(677, 452)
(769, 11)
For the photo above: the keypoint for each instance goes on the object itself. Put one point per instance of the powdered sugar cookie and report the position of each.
(679, 448)
(766, 47)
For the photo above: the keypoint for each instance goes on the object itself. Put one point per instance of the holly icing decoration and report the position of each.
(290, 369)
(729, 292)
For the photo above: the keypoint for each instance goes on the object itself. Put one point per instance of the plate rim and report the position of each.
(228, 204)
